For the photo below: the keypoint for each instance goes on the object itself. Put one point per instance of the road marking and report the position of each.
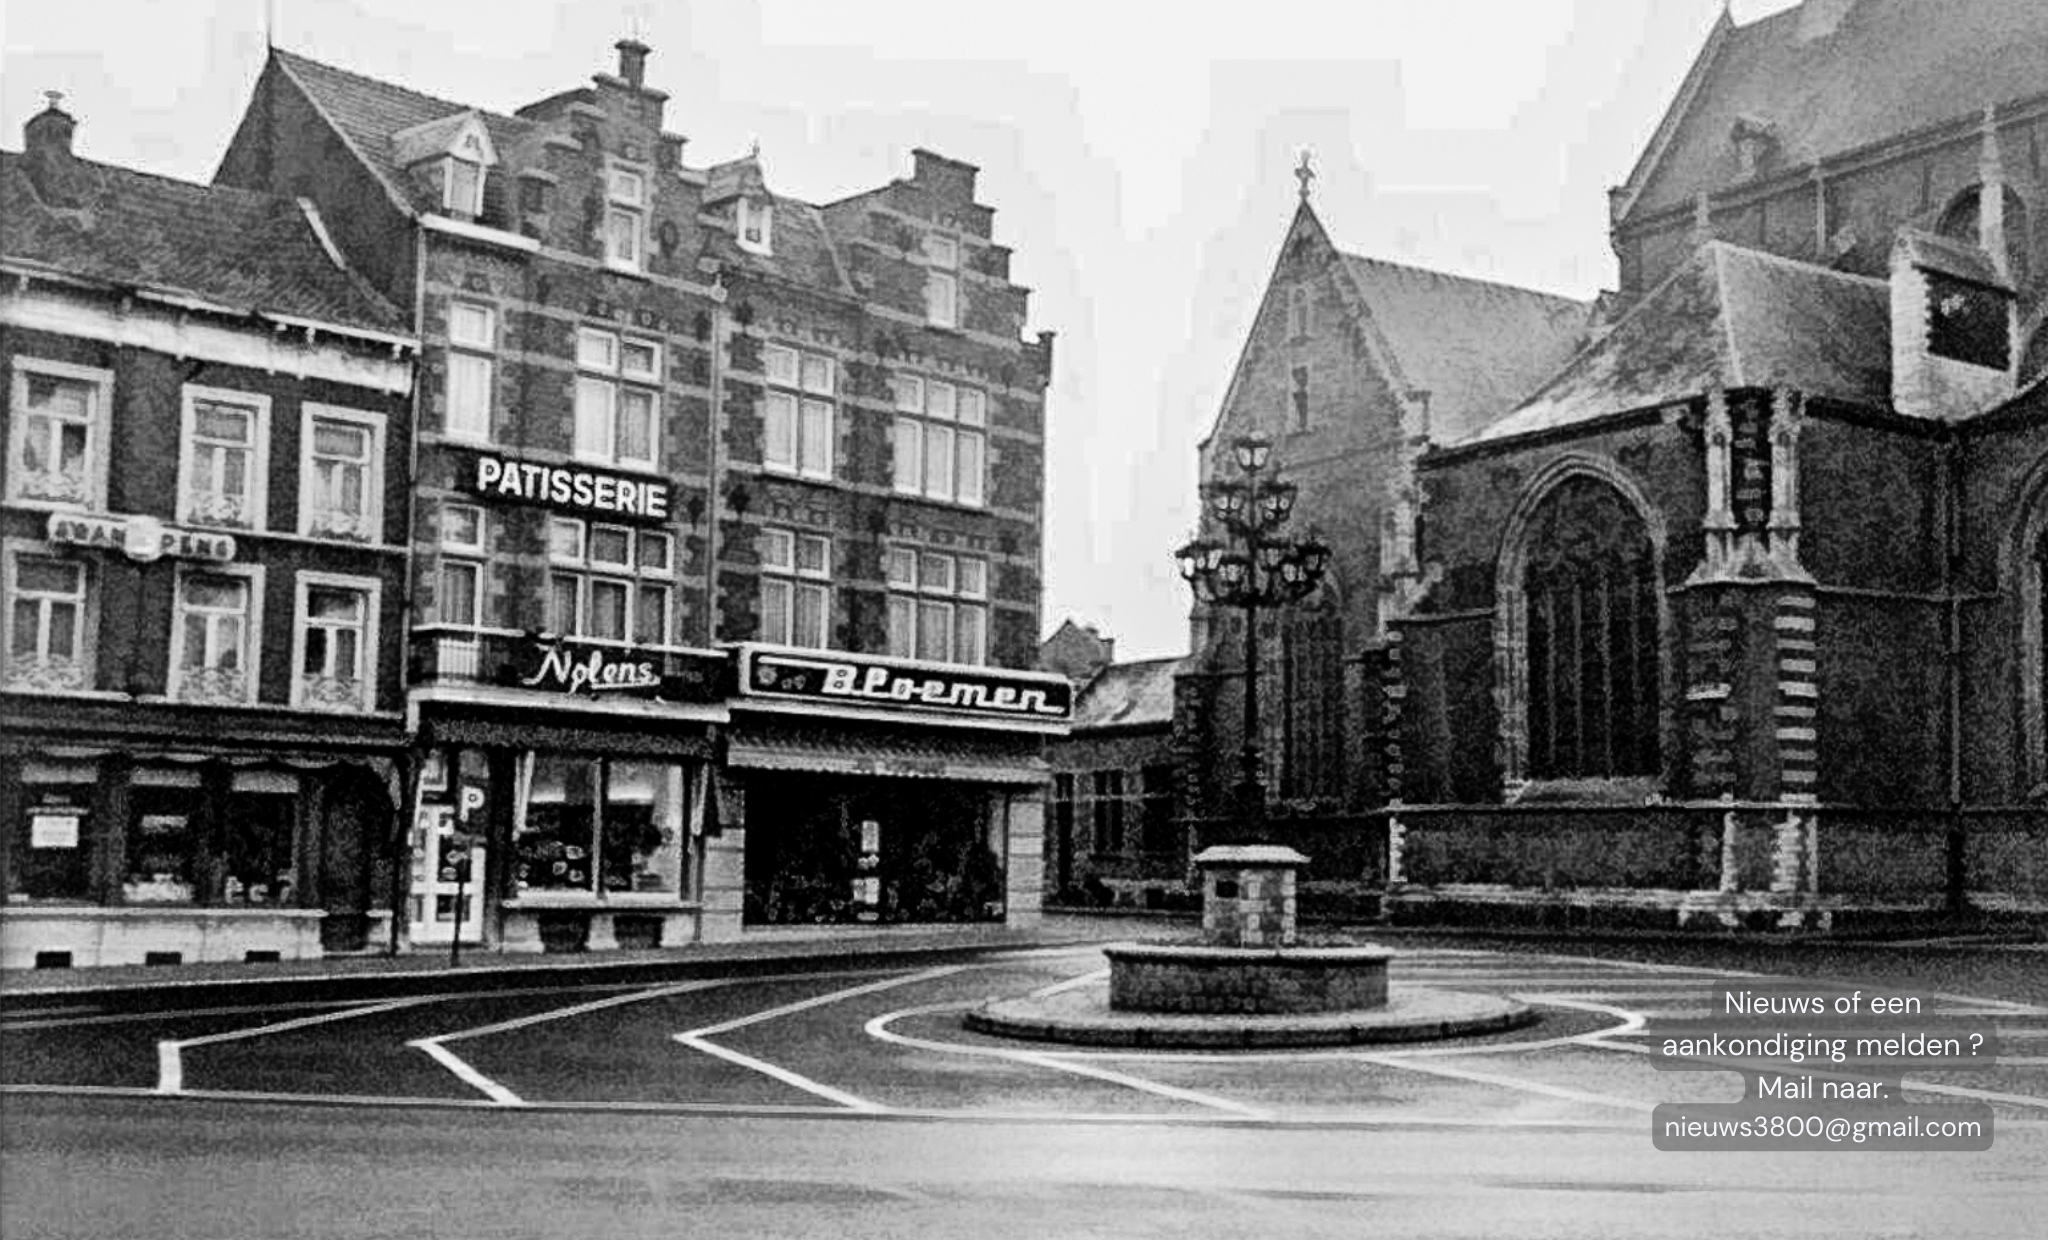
(1072, 983)
(698, 1039)
(1062, 1061)
(466, 1074)
(1510, 1082)
(170, 1065)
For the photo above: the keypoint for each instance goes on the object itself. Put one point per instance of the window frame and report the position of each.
(85, 633)
(258, 472)
(372, 590)
(467, 556)
(617, 382)
(1106, 806)
(796, 581)
(763, 214)
(373, 475)
(98, 424)
(480, 352)
(803, 400)
(252, 630)
(914, 429)
(962, 605)
(633, 209)
(588, 572)
(942, 274)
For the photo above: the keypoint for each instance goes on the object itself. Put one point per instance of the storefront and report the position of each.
(563, 799)
(136, 837)
(874, 790)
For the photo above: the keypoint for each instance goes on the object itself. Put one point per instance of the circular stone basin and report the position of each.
(1201, 979)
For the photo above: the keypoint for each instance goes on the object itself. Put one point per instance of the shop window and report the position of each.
(797, 412)
(472, 340)
(341, 492)
(1158, 835)
(1107, 811)
(625, 219)
(618, 399)
(596, 824)
(258, 826)
(938, 605)
(796, 599)
(49, 618)
(610, 583)
(213, 651)
(51, 857)
(164, 809)
(223, 467)
(57, 433)
(1589, 600)
(941, 281)
(941, 440)
(337, 643)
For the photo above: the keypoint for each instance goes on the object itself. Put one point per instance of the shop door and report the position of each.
(442, 868)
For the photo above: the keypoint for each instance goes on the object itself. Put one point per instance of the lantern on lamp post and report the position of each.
(1255, 567)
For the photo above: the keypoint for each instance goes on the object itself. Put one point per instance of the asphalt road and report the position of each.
(848, 1102)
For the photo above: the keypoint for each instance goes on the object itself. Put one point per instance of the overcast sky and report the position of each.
(1137, 153)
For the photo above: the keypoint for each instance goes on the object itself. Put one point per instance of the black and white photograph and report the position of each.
(778, 618)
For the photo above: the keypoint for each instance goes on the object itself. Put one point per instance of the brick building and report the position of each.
(1114, 831)
(727, 525)
(202, 550)
(1737, 616)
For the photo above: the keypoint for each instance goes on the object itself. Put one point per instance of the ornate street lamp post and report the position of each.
(1255, 567)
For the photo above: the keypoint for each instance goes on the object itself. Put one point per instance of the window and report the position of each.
(1589, 593)
(1060, 839)
(48, 646)
(340, 492)
(938, 605)
(1298, 311)
(602, 825)
(610, 583)
(51, 854)
(458, 593)
(213, 651)
(224, 465)
(625, 219)
(1157, 833)
(1301, 398)
(1304, 734)
(796, 433)
(941, 281)
(757, 226)
(57, 443)
(462, 186)
(472, 338)
(795, 602)
(618, 399)
(337, 643)
(1108, 810)
(941, 440)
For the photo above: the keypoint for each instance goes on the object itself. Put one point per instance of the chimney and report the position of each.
(633, 61)
(47, 157)
(1954, 319)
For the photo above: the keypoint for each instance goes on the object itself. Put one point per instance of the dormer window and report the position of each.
(625, 219)
(757, 225)
(449, 160)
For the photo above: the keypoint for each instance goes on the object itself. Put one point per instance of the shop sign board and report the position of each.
(53, 827)
(140, 538)
(568, 488)
(554, 665)
(852, 680)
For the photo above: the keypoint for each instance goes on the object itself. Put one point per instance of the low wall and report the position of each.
(83, 937)
(1217, 980)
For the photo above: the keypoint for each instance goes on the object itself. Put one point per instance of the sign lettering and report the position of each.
(553, 665)
(851, 680)
(140, 538)
(560, 486)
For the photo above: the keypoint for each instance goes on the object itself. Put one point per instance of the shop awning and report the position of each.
(907, 759)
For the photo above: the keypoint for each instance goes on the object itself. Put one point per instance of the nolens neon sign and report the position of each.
(593, 670)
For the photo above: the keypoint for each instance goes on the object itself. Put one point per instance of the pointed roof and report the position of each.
(1830, 77)
(1474, 345)
(1128, 695)
(369, 114)
(1728, 317)
(238, 249)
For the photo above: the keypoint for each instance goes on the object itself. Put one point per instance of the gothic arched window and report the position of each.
(1589, 594)
(2032, 587)
(1304, 725)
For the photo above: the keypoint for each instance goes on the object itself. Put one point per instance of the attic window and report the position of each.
(462, 186)
(625, 221)
(757, 226)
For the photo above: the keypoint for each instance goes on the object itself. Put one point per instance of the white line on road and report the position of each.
(1412, 1064)
(851, 1102)
(170, 1075)
(466, 1074)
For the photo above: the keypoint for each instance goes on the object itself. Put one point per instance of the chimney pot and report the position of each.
(633, 61)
